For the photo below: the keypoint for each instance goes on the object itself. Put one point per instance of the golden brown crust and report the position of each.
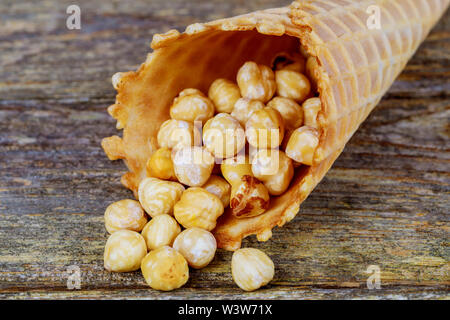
(355, 68)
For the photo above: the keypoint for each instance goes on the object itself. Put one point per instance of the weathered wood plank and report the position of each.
(385, 202)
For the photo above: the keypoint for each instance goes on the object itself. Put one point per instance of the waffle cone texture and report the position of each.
(356, 66)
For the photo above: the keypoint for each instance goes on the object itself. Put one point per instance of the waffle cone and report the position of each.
(356, 66)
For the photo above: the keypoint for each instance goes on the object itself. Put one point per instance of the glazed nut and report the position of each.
(160, 231)
(223, 136)
(198, 208)
(302, 145)
(158, 196)
(165, 269)
(219, 187)
(125, 214)
(198, 246)
(244, 108)
(251, 268)
(224, 94)
(287, 61)
(249, 198)
(265, 129)
(193, 165)
(177, 133)
(192, 105)
(124, 251)
(256, 82)
(274, 169)
(311, 108)
(291, 84)
(290, 111)
(233, 169)
(160, 165)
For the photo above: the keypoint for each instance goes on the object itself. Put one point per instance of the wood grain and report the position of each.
(385, 202)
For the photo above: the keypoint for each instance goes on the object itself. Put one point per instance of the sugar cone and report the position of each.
(356, 66)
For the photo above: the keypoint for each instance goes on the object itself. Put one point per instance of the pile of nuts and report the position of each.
(234, 148)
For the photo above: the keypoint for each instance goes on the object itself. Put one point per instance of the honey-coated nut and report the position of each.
(219, 187)
(274, 169)
(192, 105)
(198, 246)
(198, 208)
(304, 52)
(265, 129)
(177, 133)
(124, 251)
(160, 165)
(256, 82)
(165, 269)
(125, 214)
(290, 111)
(223, 136)
(244, 108)
(293, 85)
(158, 196)
(311, 108)
(193, 165)
(249, 198)
(302, 145)
(160, 231)
(224, 94)
(251, 268)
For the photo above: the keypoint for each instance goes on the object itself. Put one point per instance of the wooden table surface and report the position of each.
(384, 203)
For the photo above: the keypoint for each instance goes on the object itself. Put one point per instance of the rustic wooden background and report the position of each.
(385, 202)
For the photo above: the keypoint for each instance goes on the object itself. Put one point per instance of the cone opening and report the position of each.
(193, 61)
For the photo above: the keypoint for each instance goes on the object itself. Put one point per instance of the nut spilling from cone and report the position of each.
(256, 160)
